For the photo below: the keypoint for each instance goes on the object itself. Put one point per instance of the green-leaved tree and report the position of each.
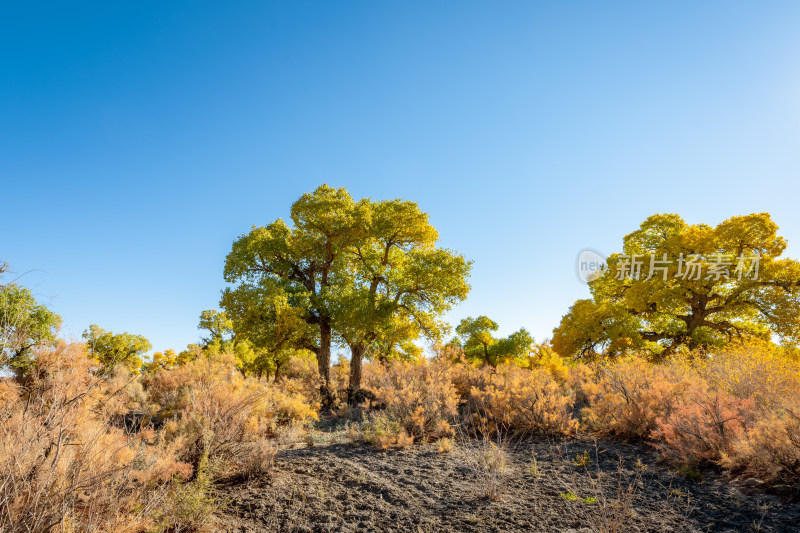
(112, 350)
(475, 336)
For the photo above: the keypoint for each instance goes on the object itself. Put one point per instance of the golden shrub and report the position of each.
(521, 400)
(63, 465)
(545, 358)
(419, 396)
(757, 370)
(220, 413)
(385, 431)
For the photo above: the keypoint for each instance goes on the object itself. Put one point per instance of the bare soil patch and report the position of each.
(336, 486)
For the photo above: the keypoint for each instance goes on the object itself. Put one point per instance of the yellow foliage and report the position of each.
(514, 398)
(756, 370)
(547, 359)
(419, 396)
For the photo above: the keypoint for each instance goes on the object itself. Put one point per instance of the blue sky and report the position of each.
(139, 139)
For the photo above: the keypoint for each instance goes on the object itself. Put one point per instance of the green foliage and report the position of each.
(397, 284)
(667, 307)
(24, 325)
(304, 261)
(367, 272)
(218, 325)
(475, 337)
(112, 350)
(268, 329)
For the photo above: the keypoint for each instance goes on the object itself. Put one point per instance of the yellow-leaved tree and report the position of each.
(688, 285)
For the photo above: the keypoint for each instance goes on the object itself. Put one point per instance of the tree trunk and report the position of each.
(324, 363)
(357, 352)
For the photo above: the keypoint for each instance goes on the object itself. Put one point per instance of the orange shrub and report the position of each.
(631, 395)
(420, 396)
(703, 424)
(522, 400)
(770, 450)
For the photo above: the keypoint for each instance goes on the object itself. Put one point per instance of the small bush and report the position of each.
(703, 424)
(420, 397)
(486, 457)
(770, 450)
(385, 432)
(521, 400)
(632, 395)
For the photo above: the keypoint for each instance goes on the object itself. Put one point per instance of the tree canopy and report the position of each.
(479, 345)
(110, 349)
(24, 324)
(398, 282)
(367, 274)
(688, 285)
(304, 261)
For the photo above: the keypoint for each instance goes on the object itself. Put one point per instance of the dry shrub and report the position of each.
(520, 400)
(578, 375)
(703, 424)
(754, 370)
(770, 450)
(63, 466)
(258, 458)
(419, 397)
(340, 376)
(631, 395)
(462, 375)
(444, 445)
(220, 414)
(301, 376)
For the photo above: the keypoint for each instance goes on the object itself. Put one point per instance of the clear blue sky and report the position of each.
(139, 139)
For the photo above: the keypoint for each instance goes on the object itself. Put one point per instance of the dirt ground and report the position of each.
(334, 485)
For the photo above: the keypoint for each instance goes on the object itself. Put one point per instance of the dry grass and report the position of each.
(630, 396)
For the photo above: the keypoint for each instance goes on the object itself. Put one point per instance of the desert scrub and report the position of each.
(63, 465)
(383, 431)
(631, 395)
(420, 397)
(755, 370)
(520, 400)
(217, 412)
(703, 424)
(770, 450)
